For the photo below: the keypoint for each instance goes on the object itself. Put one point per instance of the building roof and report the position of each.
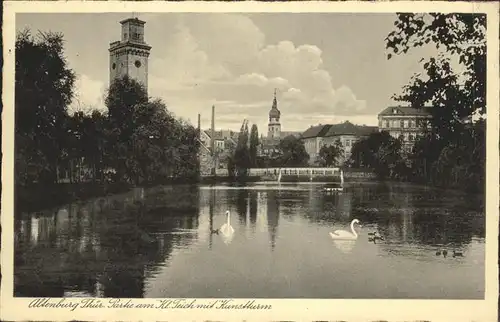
(404, 110)
(315, 131)
(346, 128)
(222, 134)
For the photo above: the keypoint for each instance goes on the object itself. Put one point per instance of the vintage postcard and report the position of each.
(250, 161)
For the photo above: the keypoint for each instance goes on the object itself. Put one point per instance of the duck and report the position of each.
(458, 253)
(376, 235)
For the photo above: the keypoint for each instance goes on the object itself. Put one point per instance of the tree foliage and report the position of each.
(241, 161)
(254, 144)
(380, 152)
(453, 93)
(137, 137)
(293, 152)
(150, 144)
(44, 87)
(453, 86)
(330, 155)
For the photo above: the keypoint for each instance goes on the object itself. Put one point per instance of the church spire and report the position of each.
(274, 126)
(275, 102)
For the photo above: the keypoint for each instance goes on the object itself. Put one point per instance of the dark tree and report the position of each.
(43, 91)
(329, 155)
(379, 151)
(254, 143)
(293, 153)
(241, 158)
(454, 95)
(125, 97)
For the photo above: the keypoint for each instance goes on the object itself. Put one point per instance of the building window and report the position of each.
(401, 124)
(405, 135)
(406, 123)
(411, 137)
(387, 124)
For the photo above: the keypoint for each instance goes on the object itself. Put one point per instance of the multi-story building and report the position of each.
(406, 123)
(326, 134)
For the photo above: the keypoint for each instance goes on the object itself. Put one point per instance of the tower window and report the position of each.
(137, 64)
(113, 66)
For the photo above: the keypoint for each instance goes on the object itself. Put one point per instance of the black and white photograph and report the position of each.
(250, 155)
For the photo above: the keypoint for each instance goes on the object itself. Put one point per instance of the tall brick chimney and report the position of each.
(212, 141)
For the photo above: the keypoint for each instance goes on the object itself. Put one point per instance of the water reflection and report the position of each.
(105, 247)
(273, 217)
(161, 243)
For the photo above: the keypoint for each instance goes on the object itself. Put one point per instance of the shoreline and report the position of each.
(38, 198)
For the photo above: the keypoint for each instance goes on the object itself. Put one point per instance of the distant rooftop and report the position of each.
(315, 131)
(223, 134)
(404, 110)
(346, 128)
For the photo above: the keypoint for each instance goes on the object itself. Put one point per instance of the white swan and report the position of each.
(227, 230)
(345, 235)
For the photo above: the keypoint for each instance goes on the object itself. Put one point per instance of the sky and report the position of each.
(326, 67)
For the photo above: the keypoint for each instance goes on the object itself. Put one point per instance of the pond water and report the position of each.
(163, 242)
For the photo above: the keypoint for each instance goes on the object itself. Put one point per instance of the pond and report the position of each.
(164, 242)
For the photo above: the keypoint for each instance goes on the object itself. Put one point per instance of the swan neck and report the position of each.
(352, 229)
(228, 218)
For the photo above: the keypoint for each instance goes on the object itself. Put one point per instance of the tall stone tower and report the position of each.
(274, 125)
(129, 56)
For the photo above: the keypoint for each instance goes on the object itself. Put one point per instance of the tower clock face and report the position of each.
(137, 64)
